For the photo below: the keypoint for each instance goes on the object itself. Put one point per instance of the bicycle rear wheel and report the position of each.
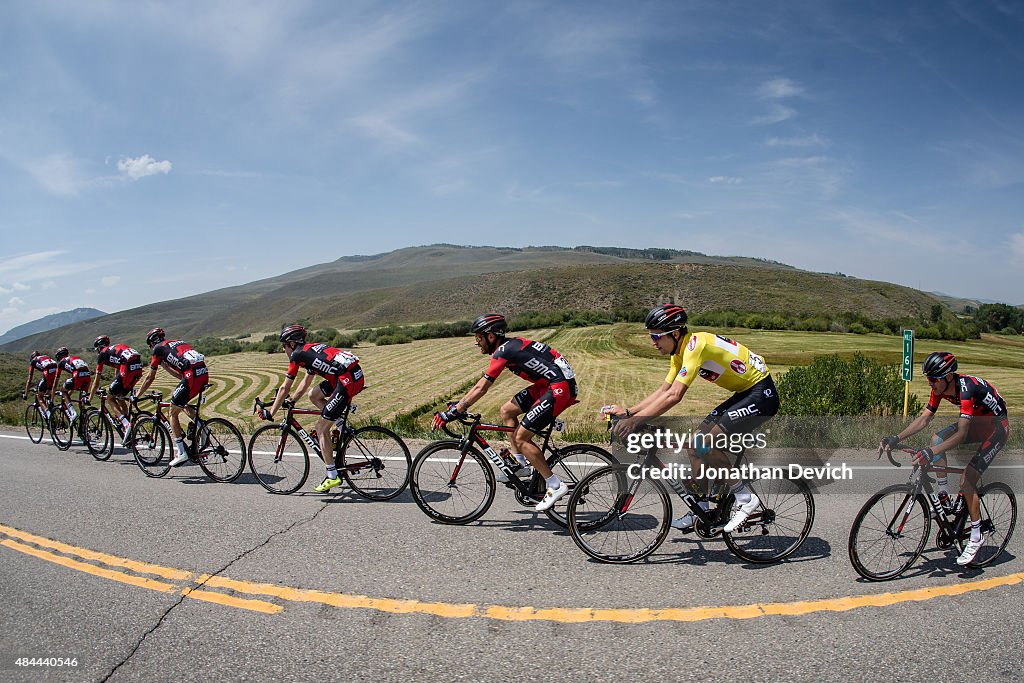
(779, 526)
(375, 462)
(152, 446)
(62, 430)
(98, 434)
(618, 520)
(449, 486)
(220, 449)
(998, 520)
(889, 533)
(278, 459)
(572, 464)
(35, 425)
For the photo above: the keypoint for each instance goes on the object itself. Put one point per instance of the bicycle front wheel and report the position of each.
(572, 464)
(375, 462)
(450, 486)
(35, 425)
(62, 430)
(998, 519)
(889, 533)
(616, 519)
(779, 526)
(220, 449)
(152, 446)
(98, 434)
(278, 459)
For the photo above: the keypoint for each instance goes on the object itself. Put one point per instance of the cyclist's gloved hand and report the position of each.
(24, 396)
(925, 456)
(133, 399)
(446, 416)
(265, 414)
(890, 442)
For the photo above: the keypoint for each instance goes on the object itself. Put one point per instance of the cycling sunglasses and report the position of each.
(655, 336)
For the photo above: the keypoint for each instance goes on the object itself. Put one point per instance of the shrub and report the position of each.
(832, 385)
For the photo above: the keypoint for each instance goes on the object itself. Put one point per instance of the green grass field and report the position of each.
(613, 364)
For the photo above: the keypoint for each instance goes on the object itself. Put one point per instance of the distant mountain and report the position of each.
(448, 282)
(50, 322)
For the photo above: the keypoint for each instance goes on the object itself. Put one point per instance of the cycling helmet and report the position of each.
(490, 323)
(155, 336)
(61, 353)
(35, 354)
(102, 342)
(295, 334)
(666, 317)
(938, 364)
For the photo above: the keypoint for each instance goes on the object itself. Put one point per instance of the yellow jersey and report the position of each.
(717, 359)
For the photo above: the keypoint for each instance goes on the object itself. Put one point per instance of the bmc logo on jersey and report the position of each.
(692, 344)
(738, 367)
(745, 411)
(326, 368)
(538, 409)
(540, 368)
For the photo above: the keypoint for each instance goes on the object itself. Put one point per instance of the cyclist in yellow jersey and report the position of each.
(717, 359)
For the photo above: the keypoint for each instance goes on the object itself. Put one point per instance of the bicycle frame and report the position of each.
(307, 437)
(923, 484)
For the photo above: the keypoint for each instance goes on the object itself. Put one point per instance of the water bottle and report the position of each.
(947, 504)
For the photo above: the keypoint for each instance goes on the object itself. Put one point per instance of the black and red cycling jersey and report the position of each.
(974, 396)
(534, 361)
(323, 360)
(120, 356)
(43, 364)
(74, 366)
(176, 355)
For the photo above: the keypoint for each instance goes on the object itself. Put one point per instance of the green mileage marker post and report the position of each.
(908, 367)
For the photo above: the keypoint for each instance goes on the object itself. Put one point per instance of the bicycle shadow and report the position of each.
(701, 553)
(942, 564)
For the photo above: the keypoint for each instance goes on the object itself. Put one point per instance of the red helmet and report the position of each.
(667, 317)
(102, 342)
(294, 334)
(490, 323)
(155, 336)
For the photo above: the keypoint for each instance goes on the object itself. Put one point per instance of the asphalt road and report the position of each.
(319, 586)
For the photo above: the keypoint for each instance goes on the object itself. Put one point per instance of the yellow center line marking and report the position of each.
(468, 610)
(90, 569)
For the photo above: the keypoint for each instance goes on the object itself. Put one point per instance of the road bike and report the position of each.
(214, 444)
(103, 429)
(453, 481)
(37, 416)
(373, 460)
(617, 515)
(890, 531)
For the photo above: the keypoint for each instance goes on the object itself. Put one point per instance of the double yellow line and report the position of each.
(196, 587)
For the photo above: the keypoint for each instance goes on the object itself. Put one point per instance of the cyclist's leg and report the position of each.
(937, 438)
(510, 412)
(555, 399)
(998, 431)
(319, 396)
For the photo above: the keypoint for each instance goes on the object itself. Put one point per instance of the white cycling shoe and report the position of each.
(685, 523)
(740, 513)
(181, 459)
(970, 551)
(552, 496)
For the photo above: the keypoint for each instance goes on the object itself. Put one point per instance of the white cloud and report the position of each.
(110, 280)
(20, 287)
(779, 88)
(142, 167)
(777, 113)
(15, 301)
(814, 140)
(1017, 245)
(728, 180)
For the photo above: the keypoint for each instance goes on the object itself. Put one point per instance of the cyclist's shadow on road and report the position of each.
(942, 564)
(690, 549)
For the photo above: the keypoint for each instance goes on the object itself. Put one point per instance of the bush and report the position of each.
(832, 385)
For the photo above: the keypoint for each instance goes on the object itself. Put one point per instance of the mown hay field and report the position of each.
(613, 364)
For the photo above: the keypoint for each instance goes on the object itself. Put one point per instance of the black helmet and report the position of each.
(61, 353)
(938, 364)
(155, 336)
(666, 317)
(490, 323)
(293, 334)
(102, 342)
(35, 354)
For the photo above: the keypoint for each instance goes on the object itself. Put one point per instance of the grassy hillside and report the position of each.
(614, 363)
(449, 283)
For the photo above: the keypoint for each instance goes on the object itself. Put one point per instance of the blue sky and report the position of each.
(154, 150)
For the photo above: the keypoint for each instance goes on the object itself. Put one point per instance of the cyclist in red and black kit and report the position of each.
(47, 367)
(185, 364)
(343, 379)
(552, 390)
(79, 379)
(983, 420)
(129, 367)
